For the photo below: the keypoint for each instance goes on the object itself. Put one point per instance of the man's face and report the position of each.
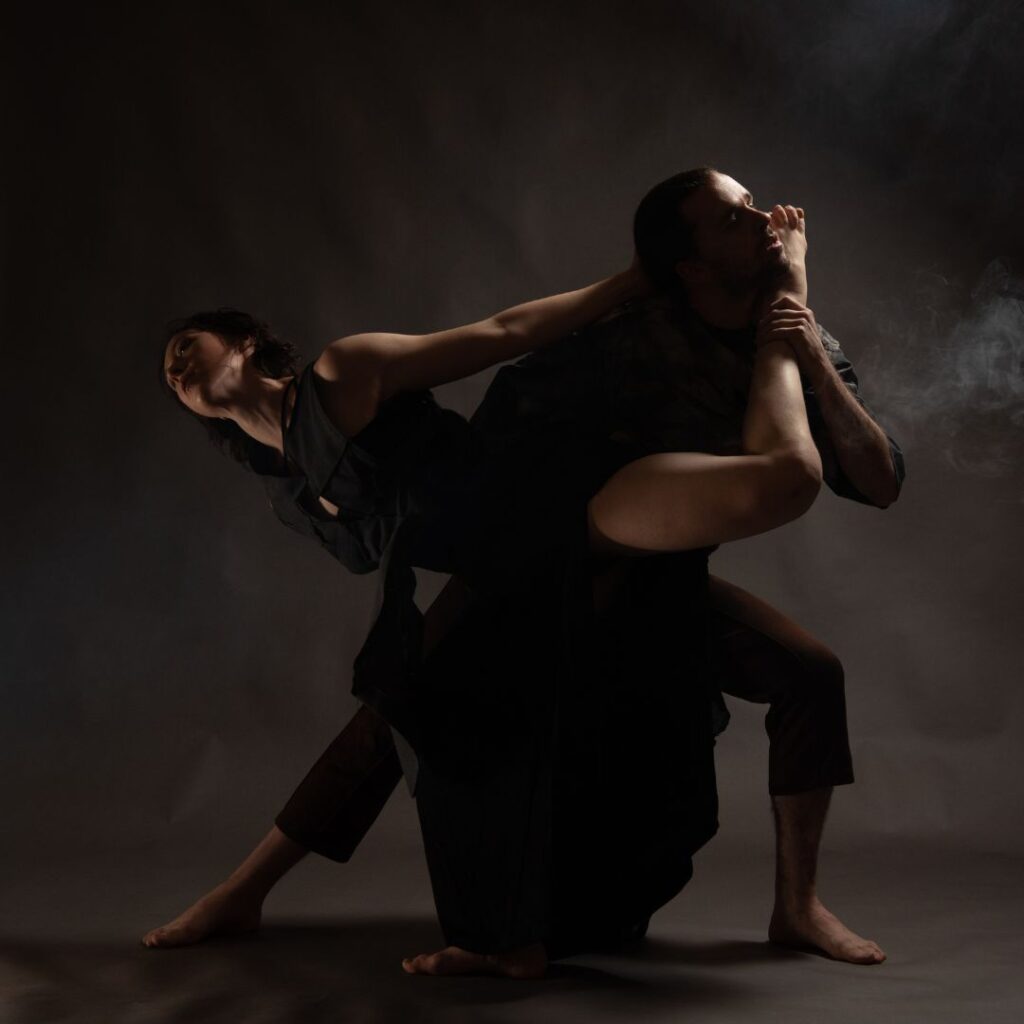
(734, 241)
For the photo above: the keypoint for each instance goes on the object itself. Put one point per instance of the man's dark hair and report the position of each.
(660, 232)
(271, 356)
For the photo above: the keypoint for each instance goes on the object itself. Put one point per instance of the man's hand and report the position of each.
(791, 321)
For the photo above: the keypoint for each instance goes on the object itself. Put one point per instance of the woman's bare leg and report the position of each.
(676, 501)
(236, 904)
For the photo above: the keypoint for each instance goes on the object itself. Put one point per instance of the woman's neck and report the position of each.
(259, 414)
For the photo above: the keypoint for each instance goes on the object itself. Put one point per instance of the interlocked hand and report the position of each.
(790, 321)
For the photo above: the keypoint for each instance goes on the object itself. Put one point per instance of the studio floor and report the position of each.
(333, 938)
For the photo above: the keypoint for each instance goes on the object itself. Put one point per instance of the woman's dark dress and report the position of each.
(534, 716)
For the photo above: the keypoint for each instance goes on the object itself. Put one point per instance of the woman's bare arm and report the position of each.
(409, 362)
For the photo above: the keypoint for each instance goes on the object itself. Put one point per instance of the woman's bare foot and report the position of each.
(528, 962)
(814, 926)
(225, 910)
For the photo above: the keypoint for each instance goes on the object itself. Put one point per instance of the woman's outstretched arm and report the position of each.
(409, 362)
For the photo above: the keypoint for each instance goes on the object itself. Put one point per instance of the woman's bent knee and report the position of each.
(795, 481)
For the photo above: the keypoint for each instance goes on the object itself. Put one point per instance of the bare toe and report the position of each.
(529, 962)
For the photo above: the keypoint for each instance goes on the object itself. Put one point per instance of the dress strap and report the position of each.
(284, 415)
(284, 405)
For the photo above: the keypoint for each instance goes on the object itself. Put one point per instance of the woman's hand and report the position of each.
(640, 284)
(411, 362)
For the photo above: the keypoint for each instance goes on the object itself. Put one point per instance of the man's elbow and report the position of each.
(887, 493)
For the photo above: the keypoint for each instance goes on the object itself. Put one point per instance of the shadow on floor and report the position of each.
(713, 954)
(309, 974)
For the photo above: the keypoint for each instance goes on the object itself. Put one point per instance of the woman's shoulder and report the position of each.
(347, 379)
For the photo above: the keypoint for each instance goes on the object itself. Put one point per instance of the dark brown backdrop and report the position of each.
(173, 658)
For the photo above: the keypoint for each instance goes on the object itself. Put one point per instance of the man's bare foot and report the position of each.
(223, 911)
(528, 962)
(814, 926)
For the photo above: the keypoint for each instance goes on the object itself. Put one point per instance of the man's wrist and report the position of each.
(815, 363)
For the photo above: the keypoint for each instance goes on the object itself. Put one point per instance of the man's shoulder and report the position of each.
(650, 323)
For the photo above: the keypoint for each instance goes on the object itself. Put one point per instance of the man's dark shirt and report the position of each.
(654, 376)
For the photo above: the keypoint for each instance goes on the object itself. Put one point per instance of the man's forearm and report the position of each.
(859, 442)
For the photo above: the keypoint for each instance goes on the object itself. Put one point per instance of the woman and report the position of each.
(354, 453)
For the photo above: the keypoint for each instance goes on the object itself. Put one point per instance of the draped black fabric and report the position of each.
(533, 706)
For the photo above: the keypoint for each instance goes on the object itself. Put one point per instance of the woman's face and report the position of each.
(203, 370)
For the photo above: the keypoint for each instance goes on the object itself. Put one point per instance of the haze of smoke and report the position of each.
(956, 384)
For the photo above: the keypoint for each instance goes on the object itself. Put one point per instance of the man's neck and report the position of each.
(719, 308)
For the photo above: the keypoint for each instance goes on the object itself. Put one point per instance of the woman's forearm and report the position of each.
(408, 362)
(532, 324)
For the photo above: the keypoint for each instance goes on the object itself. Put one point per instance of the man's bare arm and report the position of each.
(860, 443)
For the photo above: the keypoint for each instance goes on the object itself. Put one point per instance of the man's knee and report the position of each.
(822, 675)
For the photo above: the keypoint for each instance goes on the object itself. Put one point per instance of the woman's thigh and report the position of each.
(681, 501)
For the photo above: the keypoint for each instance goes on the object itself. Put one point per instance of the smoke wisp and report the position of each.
(955, 383)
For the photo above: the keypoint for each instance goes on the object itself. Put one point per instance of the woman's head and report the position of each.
(207, 360)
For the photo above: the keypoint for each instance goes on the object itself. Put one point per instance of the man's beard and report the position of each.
(739, 285)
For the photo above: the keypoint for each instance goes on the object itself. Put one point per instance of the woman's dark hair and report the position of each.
(272, 357)
(660, 232)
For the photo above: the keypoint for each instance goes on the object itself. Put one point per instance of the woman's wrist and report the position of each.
(618, 288)
(633, 283)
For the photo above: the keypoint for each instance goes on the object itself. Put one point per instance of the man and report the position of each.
(670, 373)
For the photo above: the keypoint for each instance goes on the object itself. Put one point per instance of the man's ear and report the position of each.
(691, 272)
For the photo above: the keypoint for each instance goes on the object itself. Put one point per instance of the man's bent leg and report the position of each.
(799, 918)
(760, 655)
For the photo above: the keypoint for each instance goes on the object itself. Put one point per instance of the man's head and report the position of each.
(700, 230)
